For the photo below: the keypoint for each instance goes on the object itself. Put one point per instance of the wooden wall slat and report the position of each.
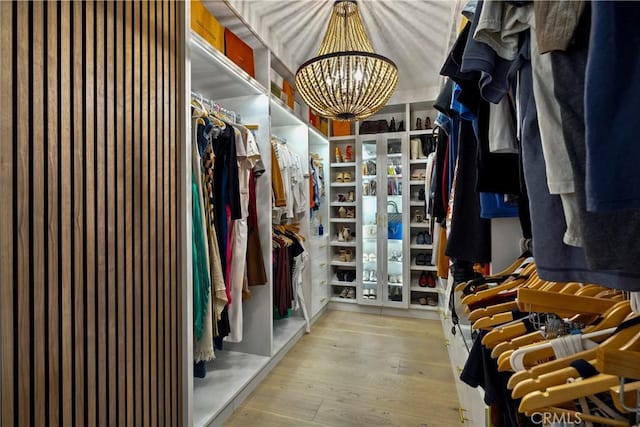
(129, 194)
(121, 154)
(91, 128)
(137, 206)
(153, 277)
(54, 351)
(146, 380)
(6, 221)
(101, 236)
(111, 256)
(22, 189)
(38, 203)
(65, 216)
(90, 281)
(78, 285)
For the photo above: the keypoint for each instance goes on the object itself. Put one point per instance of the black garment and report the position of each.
(441, 193)
(497, 172)
(443, 102)
(470, 235)
(481, 370)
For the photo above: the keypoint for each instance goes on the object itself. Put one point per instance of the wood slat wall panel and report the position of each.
(7, 308)
(90, 281)
(38, 201)
(91, 130)
(120, 213)
(52, 167)
(78, 179)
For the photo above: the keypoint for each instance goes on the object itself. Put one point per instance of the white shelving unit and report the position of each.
(239, 367)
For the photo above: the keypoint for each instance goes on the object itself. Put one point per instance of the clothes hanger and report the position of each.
(527, 356)
(564, 305)
(529, 270)
(598, 332)
(503, 275)
(557, 394)
(514, 343)
(625, 339)
(510, 332)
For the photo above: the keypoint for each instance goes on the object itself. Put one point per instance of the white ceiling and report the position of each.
(412, 33)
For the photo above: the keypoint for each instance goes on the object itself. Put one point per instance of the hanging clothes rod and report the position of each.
(226, 114)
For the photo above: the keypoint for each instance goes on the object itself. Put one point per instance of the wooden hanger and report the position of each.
(489, 279)
(598, 333)
(625, 339)
(628, 395)
(564, 305)
(518, 342)
(530, 271)
(557, 394)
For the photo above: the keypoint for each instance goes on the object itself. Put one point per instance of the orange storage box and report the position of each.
(239, 52)
(339, 128)
(287, 88)
(206, 25)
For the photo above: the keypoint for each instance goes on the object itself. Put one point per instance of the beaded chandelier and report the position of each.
(346, 81)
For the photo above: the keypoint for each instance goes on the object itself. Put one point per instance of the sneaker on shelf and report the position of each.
(373, 277)
(366, 293)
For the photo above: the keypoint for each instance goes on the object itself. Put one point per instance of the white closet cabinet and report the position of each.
(239, 367)
(378, 203)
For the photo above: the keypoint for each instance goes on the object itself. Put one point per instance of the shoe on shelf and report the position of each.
(366, 293)
(351, 197)
(431, 281)
(348, 154)
(351, 213)
(372, 257)
(427, 239)
(432, 301)
(421, 259)
(372, 294)
(351, 293)
(422, 281)
(340, 177)
(420, 238)
(401, 126)
(346, 177)
(373, 277)
(338, 155)
(422, 301)
(418, 123)
(344, 293)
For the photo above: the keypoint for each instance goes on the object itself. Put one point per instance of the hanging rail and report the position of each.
(224, 113)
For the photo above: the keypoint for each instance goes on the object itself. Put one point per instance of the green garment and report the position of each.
(201, 279)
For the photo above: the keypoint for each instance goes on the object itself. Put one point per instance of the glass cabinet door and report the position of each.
(370, 191)
(394, 266)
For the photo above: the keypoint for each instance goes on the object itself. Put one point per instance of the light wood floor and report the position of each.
(358, 370)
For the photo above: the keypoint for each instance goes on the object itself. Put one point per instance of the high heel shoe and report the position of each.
(427, 122)
(351, 197)
(418, 123)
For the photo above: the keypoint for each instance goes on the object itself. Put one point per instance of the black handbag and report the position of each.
(373, 126)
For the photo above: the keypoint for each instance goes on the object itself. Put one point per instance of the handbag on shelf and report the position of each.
(394, 224)
(374, 126)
